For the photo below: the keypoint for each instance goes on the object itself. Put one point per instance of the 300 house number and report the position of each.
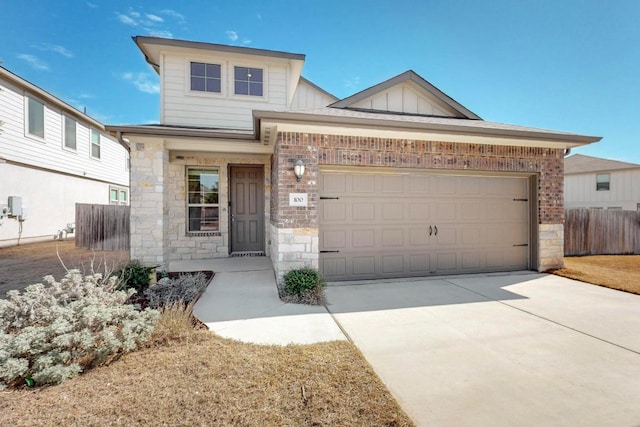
(297, 199)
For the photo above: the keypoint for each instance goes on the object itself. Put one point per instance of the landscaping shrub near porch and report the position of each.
(55, 330)
(304, 286)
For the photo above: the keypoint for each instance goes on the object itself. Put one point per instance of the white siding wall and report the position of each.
(308, 97)
(17, 146)
(404, 98)
(49, 199)
(580, 191)
(183, 107)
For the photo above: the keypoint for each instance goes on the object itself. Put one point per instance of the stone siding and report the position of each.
(184, 246)
(293, 248)
(551, 246)
(149, 160)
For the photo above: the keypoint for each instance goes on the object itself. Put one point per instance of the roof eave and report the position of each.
(573, 139)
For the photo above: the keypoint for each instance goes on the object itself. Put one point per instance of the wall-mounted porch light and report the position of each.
(298, 170)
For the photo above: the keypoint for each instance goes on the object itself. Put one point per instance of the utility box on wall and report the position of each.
(15, 205)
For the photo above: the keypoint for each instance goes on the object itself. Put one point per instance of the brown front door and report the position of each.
(247, 208)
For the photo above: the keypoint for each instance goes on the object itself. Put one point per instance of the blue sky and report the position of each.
(570, 65)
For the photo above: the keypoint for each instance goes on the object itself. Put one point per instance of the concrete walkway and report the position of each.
(242, 303)
(499, 350)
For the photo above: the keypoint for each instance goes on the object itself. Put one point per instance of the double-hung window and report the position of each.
(603, 181)
(202, 200)
(206, 77)
(35, 125)
(95, 144)
(118, 196)
(248, 81)
(70, 141)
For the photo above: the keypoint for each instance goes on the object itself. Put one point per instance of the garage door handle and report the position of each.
(436, 228)
(329, 252)
(430, 230)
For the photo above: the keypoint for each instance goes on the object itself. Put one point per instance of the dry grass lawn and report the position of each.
(192, 377)
(613, 271)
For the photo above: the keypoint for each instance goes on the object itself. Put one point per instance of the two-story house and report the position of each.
(249, 158)
(596, 183)
(52, 156)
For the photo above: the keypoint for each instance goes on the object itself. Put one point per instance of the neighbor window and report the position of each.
(602, 181)
(69, 133)
(36, 118)
(202, 200)
(118, 196)
(205, 77)
(248, 81)
(95, 144)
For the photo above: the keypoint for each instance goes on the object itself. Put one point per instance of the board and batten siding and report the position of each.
(49, 153)
(624, 190)
(308, 97)
(404, 98)
(182, 107)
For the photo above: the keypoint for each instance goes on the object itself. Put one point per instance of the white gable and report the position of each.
(309, 96)
(409, 98)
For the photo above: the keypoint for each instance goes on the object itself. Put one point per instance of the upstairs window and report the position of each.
(205, 77)
(603, 181)
(35, 124)
(95, 144)
(202, 200)
(248, 81)
(69, 133)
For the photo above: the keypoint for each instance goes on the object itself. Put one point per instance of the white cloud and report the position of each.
(134, 14)
(142, 81)
(258, 16)
(126, 20)
(92, 5)
(55, 48)
(86, 96)
(159, 33)
(175, 15)
(232, 35)
(154, 18)
(246, 41)
(34, 62)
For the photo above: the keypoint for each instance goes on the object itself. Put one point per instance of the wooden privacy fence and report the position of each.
(102, 227)
(601, 232)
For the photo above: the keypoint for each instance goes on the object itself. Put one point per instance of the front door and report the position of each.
(247, 208)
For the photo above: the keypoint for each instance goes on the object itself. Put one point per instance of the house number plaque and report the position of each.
(298, 199)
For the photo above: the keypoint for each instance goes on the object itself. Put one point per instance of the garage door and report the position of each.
(378, 224)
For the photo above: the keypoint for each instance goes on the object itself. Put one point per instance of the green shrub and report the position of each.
(304, 285)
(55, 330)
(134, 275)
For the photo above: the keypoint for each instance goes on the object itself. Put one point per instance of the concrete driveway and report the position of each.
(499, 350)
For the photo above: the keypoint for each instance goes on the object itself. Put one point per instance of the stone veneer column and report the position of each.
(550, 246)
(149, 161)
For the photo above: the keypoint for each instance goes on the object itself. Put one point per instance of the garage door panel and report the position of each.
(364, 239)
(392, 211)
(363, 184)
(364, 211)
(335, 183)
(392, 238)
(380, 224)
(364, 265)
(392, 264)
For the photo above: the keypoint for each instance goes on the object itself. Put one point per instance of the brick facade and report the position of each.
(317, 150)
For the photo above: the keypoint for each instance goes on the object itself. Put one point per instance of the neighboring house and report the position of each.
(399, 179)
(595, 183)
(52, 156)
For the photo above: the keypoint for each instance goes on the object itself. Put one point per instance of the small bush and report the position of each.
(183, 289)
(134, 275)
(305, 286)
(55, 330)
(177, 324)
